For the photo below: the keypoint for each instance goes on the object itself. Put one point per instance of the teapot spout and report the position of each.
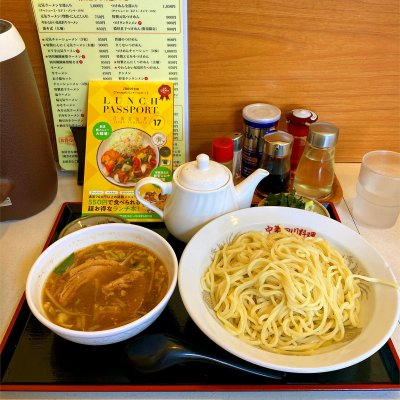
(245, 189)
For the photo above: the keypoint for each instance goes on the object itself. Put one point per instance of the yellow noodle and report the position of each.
(283, 292)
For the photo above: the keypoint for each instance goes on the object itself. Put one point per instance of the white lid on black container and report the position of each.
(11, 42)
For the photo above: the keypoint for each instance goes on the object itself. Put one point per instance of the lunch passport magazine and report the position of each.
(129, 137)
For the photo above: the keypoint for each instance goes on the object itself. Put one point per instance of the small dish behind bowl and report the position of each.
(311, 204)
(91, 220)
(61, 249)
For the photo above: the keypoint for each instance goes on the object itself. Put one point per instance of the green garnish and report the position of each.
(65, 264)
(284, 200)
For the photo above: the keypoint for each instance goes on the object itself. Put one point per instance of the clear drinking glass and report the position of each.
(378, 189)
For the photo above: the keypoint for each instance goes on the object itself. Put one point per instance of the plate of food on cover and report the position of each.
(127, 156)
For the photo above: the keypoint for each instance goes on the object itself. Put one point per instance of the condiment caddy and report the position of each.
(301, 157)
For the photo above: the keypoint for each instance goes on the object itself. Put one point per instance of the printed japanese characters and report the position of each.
(129, 137)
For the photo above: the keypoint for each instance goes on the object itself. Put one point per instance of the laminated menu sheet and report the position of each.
(111, 40)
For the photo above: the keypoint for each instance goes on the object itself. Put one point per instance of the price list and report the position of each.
(116, 40)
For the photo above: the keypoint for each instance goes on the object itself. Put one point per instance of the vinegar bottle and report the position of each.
(315, 172)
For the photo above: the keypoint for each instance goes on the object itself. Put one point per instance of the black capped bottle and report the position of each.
(276, 160)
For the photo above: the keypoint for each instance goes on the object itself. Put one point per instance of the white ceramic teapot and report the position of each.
(200, 191)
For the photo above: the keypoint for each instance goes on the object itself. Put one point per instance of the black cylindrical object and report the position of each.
(28, 174)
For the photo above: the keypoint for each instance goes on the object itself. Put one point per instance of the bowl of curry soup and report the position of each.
(103, 284)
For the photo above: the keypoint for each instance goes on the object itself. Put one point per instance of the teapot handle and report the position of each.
(166, 188)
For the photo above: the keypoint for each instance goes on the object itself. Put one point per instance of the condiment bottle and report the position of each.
(276, 160)
(222, 151)
(315, 172)
(258, 119)
(237, 138)
(297, 122)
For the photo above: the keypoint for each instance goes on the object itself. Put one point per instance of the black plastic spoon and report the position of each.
(156, 352)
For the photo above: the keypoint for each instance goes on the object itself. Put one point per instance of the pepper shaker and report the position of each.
(237, 138)
(259, 119)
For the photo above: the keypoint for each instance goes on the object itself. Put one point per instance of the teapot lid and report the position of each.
(203, 174)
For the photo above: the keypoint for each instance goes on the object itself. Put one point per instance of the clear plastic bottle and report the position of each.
(315, 172)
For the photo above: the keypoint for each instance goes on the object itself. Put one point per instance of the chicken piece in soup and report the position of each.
(104, 286)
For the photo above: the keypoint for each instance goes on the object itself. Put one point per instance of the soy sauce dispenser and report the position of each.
(28, 175)
(276, 160)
